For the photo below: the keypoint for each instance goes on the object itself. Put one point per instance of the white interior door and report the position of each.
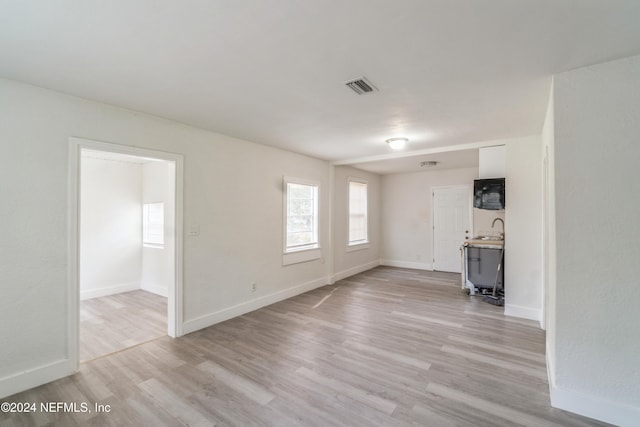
(450, 226)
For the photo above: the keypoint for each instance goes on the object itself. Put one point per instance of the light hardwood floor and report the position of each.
(116, 322)
(391, 347)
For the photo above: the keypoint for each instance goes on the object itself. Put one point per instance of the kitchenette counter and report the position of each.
(486, 243)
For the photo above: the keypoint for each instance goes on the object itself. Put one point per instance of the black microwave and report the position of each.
(489, 194)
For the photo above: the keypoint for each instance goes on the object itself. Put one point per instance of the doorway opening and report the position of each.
(127, 247)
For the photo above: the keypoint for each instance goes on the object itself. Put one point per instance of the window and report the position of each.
(301, 220)
(358, 212)
(153, 224)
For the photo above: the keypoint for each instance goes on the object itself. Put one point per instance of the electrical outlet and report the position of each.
(253, 286)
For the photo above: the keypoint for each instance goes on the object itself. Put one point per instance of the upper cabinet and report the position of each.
(492, 162)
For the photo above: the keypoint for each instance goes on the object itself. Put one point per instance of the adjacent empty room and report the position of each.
(126, 250)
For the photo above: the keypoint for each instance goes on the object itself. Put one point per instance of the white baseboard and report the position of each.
(246, 307)
(111, 290)
(407, 264)
(551, 368)
(154, 289)
(24, 380)
(354, 270)
(590, 406)
(522, 312)
(595, 407)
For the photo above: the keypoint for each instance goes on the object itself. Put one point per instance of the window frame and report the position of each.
(145, 226)
(354, 245)
(300, 253)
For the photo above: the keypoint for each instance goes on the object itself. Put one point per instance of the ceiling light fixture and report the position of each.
(397, 143)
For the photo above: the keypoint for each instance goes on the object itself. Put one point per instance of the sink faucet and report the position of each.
(494, 223)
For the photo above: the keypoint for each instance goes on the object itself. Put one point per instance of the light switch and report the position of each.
(194, 230)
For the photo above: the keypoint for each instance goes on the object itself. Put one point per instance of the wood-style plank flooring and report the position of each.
(116, 322)
(388, 347)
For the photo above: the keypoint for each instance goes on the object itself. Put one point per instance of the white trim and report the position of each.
(153, 246)
(25, 380)
(73, 254)
(248, 306)
(103, 292)
(329, 250)
(175, 318)
(175, 292)
(550, 367)
(522, 312)
(354, 270)
(296, 257)
(301, 181)
(594, 407)
(407, 264)
(359, 244)
(359, 179)
(289, 256)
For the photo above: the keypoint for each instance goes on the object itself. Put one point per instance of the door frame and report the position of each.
(175, 319)
(433, 189)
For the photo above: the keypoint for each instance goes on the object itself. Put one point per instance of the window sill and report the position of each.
(357, 246)
(302, 255)
(152, 245)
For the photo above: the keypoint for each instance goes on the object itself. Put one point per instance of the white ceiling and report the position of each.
(272, 71)
(446, 160)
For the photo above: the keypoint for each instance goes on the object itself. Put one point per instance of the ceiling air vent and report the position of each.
(428, 164)
(361, 86)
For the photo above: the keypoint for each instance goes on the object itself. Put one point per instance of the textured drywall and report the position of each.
(407, 232)
(33, 252)
(597, 175)
(233, 191)
(523, 229)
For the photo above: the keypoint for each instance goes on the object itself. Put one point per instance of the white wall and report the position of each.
(597, 177)
(158, 267)
(523, 229)
(110, 247)
(483, 219)
(346, 260)
(233, 190)
(407, 233)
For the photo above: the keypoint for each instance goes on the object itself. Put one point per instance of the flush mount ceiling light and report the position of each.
(397, 143)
